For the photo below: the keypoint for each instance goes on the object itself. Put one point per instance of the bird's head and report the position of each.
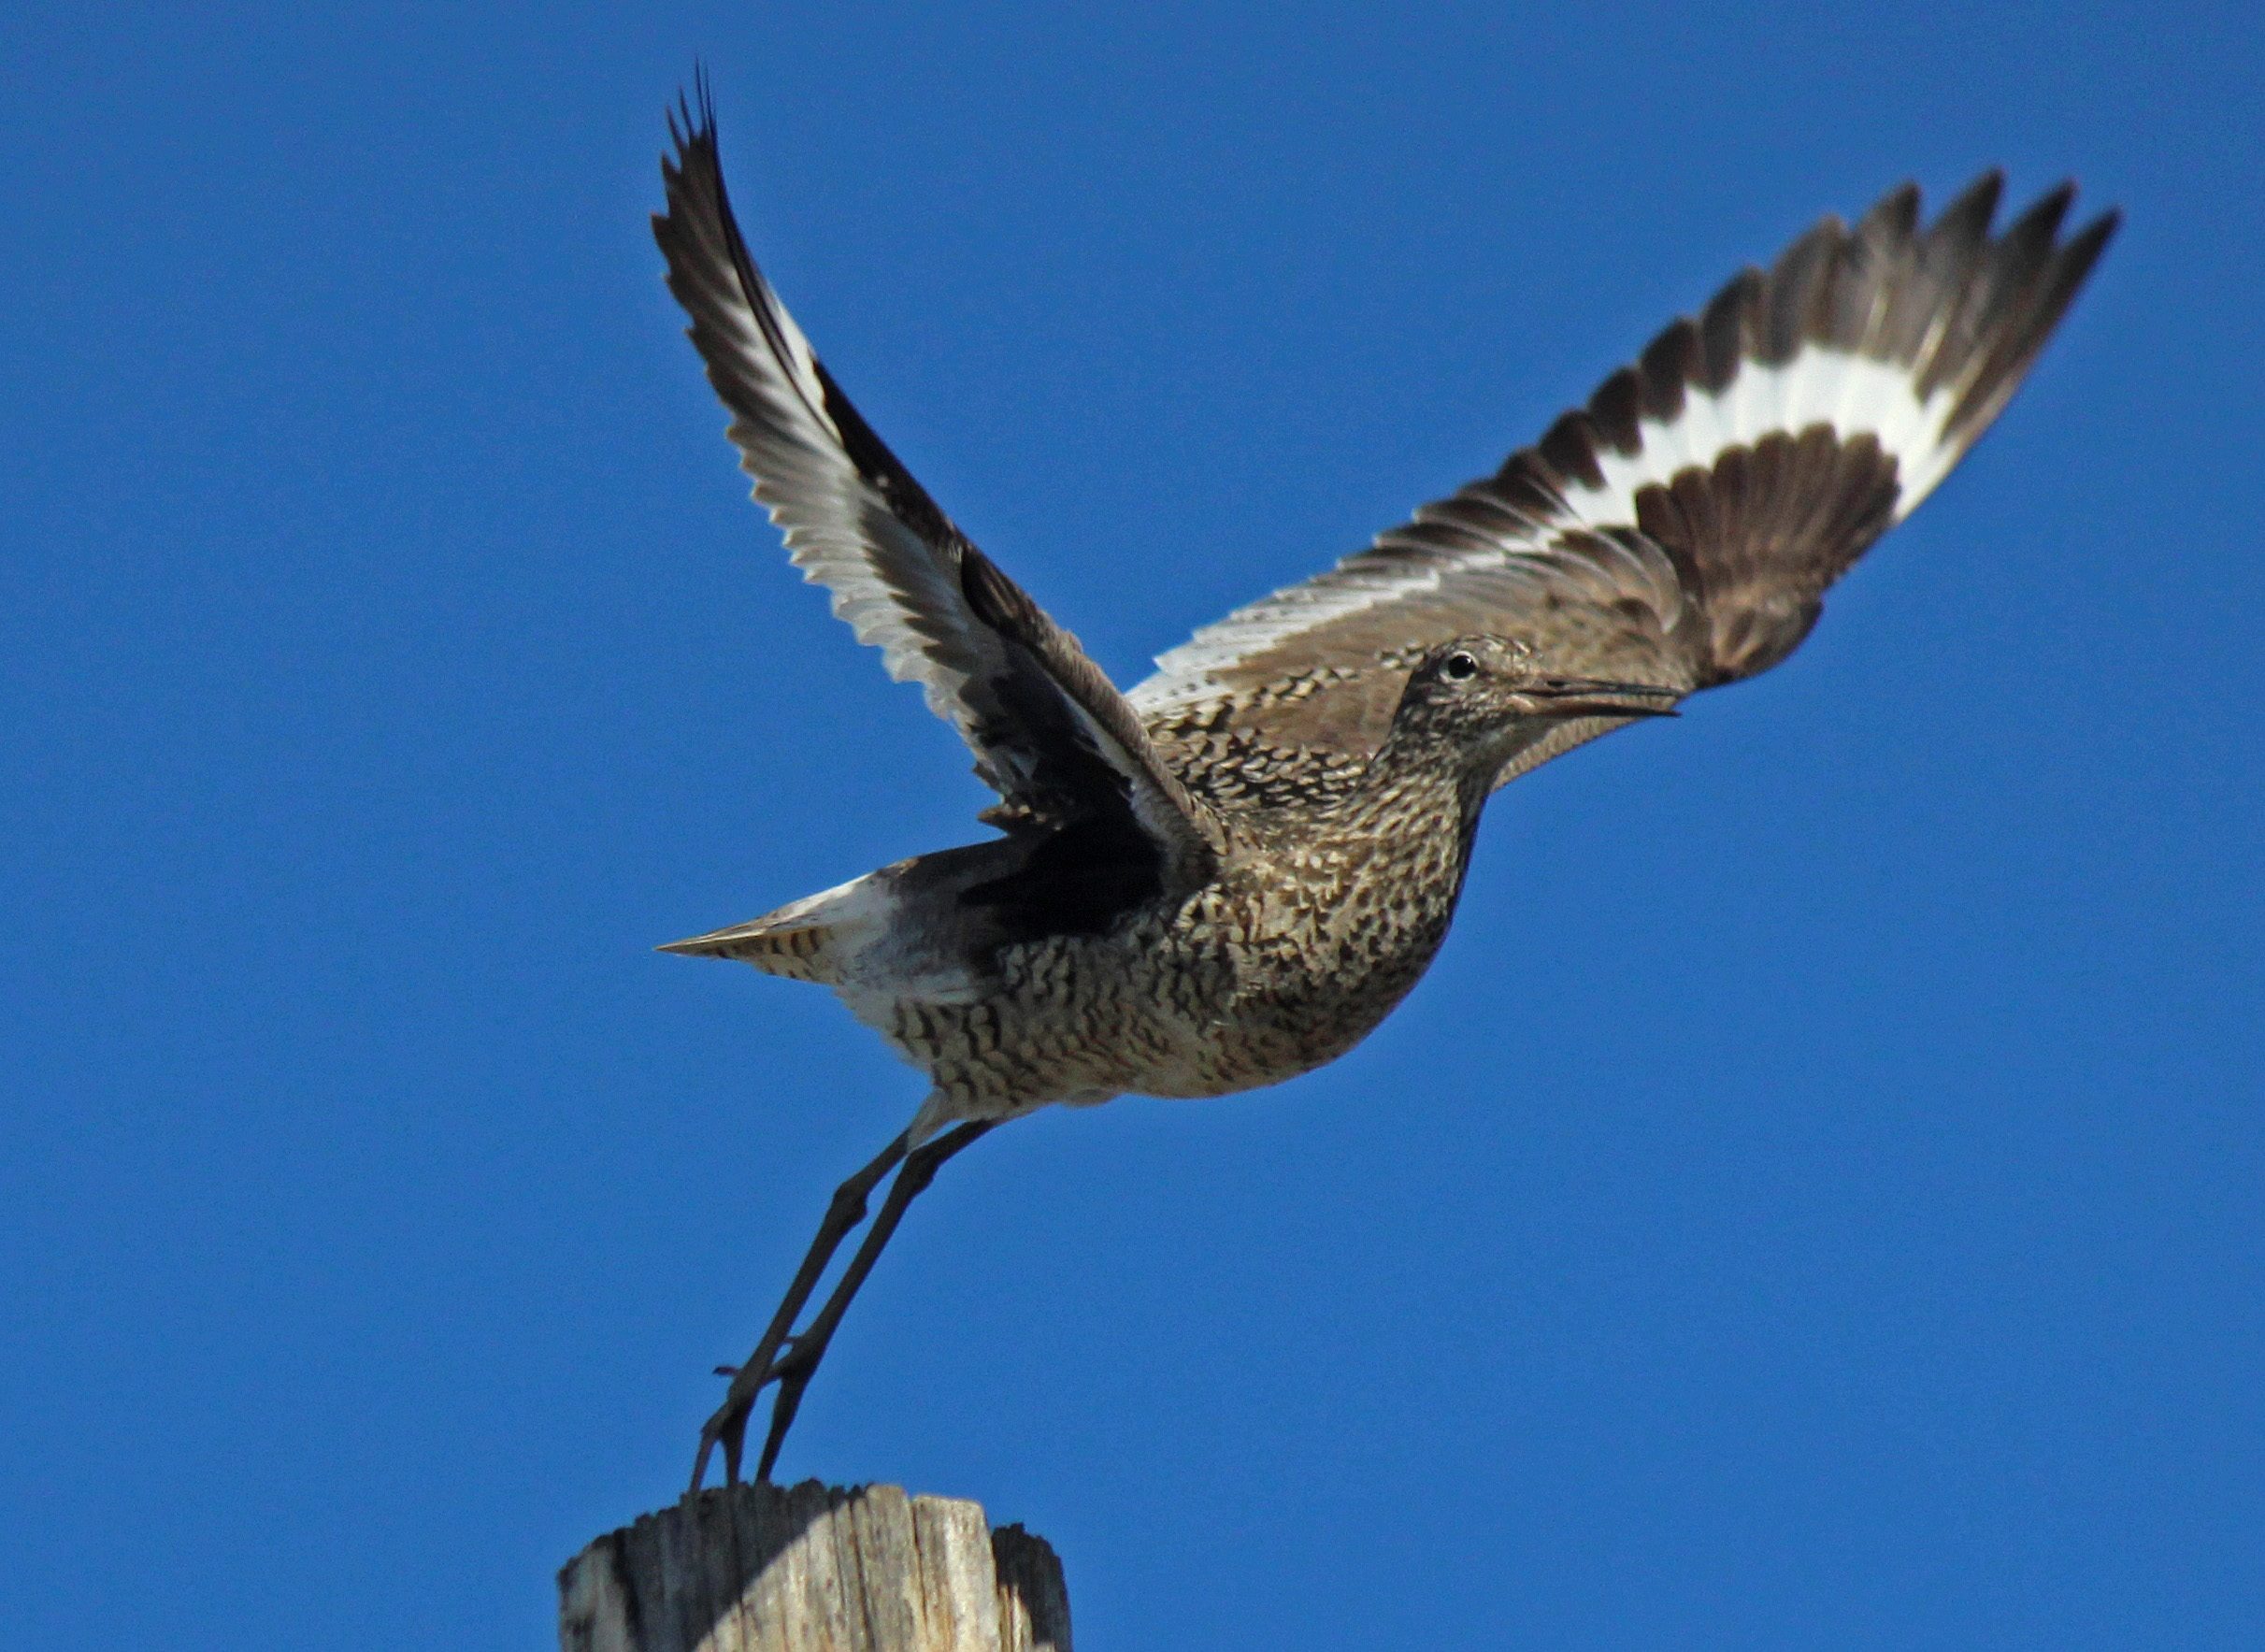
(1485, 696)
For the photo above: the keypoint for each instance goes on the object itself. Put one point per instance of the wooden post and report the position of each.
(813, 1568)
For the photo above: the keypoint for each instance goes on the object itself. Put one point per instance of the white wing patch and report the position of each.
(1854, 394)
(822, 508)
(1183, 674)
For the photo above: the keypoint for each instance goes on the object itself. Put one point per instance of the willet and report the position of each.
(1231, 873)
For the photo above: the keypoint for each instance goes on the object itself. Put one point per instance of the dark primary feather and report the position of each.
(1682, 527)
(1048, 732)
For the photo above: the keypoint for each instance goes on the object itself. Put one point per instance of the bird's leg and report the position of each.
(795, 1368)
(728, 1427)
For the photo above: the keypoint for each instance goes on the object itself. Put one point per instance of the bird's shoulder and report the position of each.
(1235, 755)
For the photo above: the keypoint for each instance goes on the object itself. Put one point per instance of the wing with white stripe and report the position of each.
(1049, 731)
(1682, 528)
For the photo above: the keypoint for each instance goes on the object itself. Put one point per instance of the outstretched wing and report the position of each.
(1682, 528)
(1049, 731)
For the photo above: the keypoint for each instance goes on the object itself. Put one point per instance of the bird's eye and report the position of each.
(1458, 667)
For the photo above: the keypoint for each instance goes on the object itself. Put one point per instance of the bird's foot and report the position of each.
(727, 1428)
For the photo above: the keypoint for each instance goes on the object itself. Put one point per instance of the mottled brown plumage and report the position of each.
(1230, 875)
(1278, 951)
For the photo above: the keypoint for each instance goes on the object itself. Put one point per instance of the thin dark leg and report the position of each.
(728, 1427)
(797, 1366)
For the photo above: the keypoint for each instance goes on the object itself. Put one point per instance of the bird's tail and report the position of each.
(807, 939)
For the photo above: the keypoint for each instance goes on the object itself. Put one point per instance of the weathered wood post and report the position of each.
(813, 1568)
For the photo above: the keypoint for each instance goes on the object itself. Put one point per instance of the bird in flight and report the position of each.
(1230, 873)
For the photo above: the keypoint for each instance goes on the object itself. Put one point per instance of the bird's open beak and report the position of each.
(1587, 696)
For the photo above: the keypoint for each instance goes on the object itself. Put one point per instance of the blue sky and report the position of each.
(1814, 1201)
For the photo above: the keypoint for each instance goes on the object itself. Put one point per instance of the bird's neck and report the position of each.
(1381, 871)
(1418, 784)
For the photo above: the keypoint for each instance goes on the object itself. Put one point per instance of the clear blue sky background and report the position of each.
(1818, 1198)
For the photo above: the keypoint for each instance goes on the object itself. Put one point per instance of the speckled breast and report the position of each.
(1234, 988)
